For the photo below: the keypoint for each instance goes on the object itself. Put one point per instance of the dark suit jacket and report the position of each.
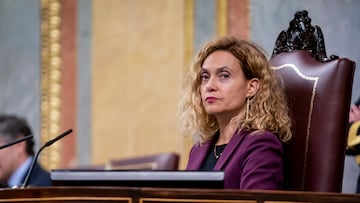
(249, 161)
(39, 177)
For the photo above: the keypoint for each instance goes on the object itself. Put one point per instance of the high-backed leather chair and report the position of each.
(161, 161)
(318, 91)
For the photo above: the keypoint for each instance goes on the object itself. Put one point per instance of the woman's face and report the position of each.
(224, 87)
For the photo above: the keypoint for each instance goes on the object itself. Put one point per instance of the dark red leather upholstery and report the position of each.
(319, 96)
(162, 161)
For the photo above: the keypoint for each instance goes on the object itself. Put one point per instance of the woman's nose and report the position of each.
(211, 84)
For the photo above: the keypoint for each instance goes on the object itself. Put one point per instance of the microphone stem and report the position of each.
(38, 152)
(26, 181)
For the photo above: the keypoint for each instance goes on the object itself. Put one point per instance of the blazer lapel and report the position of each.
(229, 150)
(200, 153)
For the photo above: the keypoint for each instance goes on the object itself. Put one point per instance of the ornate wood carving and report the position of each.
(50, 80)
(301, 35)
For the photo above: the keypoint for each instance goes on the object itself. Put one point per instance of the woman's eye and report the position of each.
(224, 75)
(204, 76)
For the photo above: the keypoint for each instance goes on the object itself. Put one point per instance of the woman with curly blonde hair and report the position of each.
(237, 113)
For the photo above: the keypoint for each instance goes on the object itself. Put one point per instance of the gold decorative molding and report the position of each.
(188, 33)
(176, 200)
(50, 80)
(221, 17)
(188, 55)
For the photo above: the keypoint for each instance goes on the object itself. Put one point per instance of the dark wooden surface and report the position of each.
(157, 195)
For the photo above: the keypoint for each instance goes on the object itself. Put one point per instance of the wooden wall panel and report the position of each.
(137, 71)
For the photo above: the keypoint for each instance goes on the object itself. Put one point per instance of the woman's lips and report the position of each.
(211, 99)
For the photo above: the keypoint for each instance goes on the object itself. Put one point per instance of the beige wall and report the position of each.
(137, 71)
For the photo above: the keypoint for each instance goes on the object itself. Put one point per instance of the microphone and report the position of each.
(28, 137)
(48, 143)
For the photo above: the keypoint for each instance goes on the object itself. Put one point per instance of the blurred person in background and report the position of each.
(353, 147)
(16, 160)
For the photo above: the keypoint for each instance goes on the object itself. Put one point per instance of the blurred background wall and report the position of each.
(115, 68)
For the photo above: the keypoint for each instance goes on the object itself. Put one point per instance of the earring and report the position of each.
(247, 108)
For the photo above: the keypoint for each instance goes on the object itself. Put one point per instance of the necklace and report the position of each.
(215, 154)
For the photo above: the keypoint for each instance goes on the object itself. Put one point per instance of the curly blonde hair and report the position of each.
(268, 108)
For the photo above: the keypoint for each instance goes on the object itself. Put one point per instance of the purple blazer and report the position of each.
(248, 161)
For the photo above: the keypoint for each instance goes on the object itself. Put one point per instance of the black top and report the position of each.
(213, 156)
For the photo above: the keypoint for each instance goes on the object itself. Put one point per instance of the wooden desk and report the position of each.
(169, 195)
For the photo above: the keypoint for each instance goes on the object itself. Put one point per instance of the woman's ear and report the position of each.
(253, 87)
